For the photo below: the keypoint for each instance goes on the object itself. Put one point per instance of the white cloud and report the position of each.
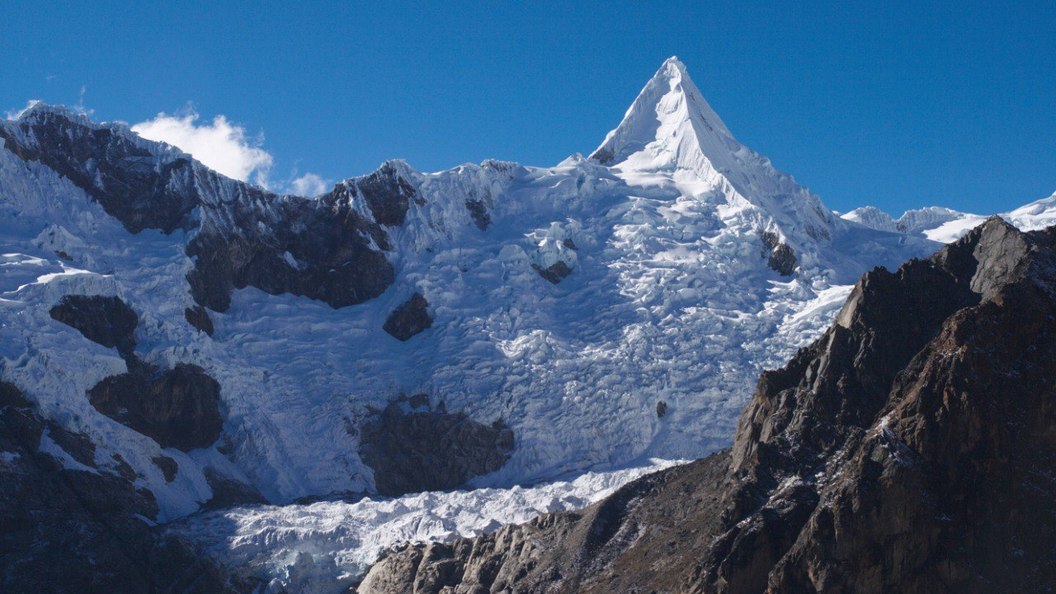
(308, 184)
(220, 145)
(225, 147)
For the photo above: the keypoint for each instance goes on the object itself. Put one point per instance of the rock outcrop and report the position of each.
(555, 273)
(67, 530)
(910, 448)
(409, 319)
(322, 248)
(108, 321)
(199, 318)
(177, 408)
(413, 448)
(478, 211)
(779, 256)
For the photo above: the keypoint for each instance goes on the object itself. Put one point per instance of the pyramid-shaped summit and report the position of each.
(671, 129)
(666, 126)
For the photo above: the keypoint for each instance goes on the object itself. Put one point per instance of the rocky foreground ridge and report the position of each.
(911, 448)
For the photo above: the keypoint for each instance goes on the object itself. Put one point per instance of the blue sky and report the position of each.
(893, 104)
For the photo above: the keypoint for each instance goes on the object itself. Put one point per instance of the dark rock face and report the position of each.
(779, 256)
(410, 318)
(388, 195)
(75, 531)
(199, 318)
(77, 445)
(251, 241)
(413, 451)
(228, 491)
(603, 156)
(554, 273)
(909, 449)
(322, 249)
(168, 467)
(478, 211)
(111, 169)
(108, 321)
(178, 408)
(667, 516)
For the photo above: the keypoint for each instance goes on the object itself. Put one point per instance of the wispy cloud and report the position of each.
(80, 107)
(14, 114)
(225, 147)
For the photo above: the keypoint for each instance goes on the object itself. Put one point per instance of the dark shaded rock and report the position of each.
(418, 401)
(111, 168)
(554, 273)
(108, 321)
(910, 449)
(178, 408)
(321, 248)
(168, 466)
(77, 445)
(661, 409)
(228, 491)
(478, 211)
(123, 468)
(387, 194)
(779, 256)
(199, 318)
(431, 451)
(409, 319)
(568, 243)
(242, 242)
(603, 156)
(72, 531)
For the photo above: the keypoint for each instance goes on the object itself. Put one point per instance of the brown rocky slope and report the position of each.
(911, 448)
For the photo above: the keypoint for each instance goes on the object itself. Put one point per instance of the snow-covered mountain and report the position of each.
(946, 225)
(495, 324)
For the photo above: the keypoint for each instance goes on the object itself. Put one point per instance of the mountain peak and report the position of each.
(667, 126)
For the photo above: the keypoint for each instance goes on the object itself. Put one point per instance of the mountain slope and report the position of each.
(908, 449)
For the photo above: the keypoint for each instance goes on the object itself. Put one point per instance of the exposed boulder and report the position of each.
(779, 256)
(168, 466)
(909, 449)
(431, 450)
(410, 318)
(555, 272)
(198, 317)
(178, 408)
(108, 321)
